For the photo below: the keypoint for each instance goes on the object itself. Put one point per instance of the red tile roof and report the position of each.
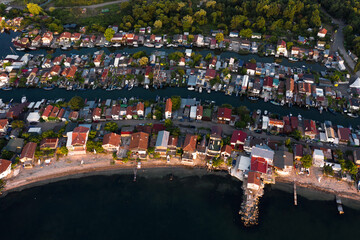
(29, 150)
(47, 111)
(258, 165)
(238, 137)
(4, 164)
(139, 141)
(112, 139)
(79, 136)
(224, 113)
(190, 143)
(3, 123)
(168, 106)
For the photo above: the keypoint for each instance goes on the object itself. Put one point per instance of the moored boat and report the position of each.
(275, 103)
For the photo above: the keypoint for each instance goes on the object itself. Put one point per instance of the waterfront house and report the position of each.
(172, 145)
(283, 162)
(76, 140)
(322, 33)
(168, 108)
(47, 38)
(290, 88)
(238, 139)
(54, 113)
(140, 109)
(28, 154)
(210, 74)
(111, 142)
(55, 70)
(281, 48)
(162, 142)
(214, 146)
(115, 112)
(310, 128)
(224, 115)
(226, 151)
(4, 79)
(97, 60)
(64, 37)
(75, 37)
(96, 114)
(263, 152)
(354, 104)
(259, 165)
(129, 112)
(46, 113)
(199, 112)
(139, 143)
(318, 158)
(74, 115)
(344, 135)
(5, 168)
(4, 124)
(253, 181)
(250, 68)
(49, 143)
(298, 152)
(189, 149)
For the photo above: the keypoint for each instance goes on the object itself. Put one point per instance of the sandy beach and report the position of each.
(91, 164)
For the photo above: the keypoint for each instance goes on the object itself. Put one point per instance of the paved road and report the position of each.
(338, 44)
(87, 6)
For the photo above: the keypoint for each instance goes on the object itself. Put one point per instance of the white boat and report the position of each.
(20, 49)
(139, 165)
(275, 103)
(147, 86)
(158, 45)
(265, 112)
(23, 99)
(32, 48)
(64, 48)
(191, 88)
(131, 87)
(258, 112)
(352, 115)
(299, 117)
(200, 89)
(209, 90)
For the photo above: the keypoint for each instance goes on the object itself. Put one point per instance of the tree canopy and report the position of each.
(306, 161)
(111, 127)
(76, 103)
(109, 34)
(176, 101)
(34, 9)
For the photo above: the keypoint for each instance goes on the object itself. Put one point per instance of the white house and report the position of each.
(318, 158)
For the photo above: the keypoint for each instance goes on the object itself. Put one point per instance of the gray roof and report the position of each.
(263, 152)
(15, 145)
(283, 158)
(162, 139)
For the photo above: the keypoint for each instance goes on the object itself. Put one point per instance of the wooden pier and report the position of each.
(295, 195)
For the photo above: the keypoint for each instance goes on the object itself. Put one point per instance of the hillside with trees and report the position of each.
(275, 17)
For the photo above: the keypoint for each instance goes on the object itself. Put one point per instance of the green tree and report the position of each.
(5, 154)
(246, 33)
(76, 103)
(176, 101)
(315, 18)
(168, 123)
(63, 150)
(187, 22)
(92, 134)
(306, 161)
(219, 37)
(34, 9)
(109, 34)
(143, 61)
(111, 127)
(17, 124)
(158, 24)
(328, 170)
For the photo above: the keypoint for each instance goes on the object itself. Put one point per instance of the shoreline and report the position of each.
(91, 170)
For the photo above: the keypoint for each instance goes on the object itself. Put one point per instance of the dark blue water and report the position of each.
(189, 207)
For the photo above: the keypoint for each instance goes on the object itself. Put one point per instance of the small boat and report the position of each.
(258, 112)
(253, 98)
(64, 48)
(191, 88)
(20, 49)
(339, 205)
(265, 112)
(48, 88)
(275, 103)
(158, 45)
(209, 90)
(299, 117)
(139, 165)
(7, 88)
(131, 87)
(332, 111)
(23, 99)
(32, 48)
(352, 115)
(200, 89)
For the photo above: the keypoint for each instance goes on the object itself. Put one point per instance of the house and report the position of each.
(310, 128)
(28, 154)
(210, 74)
(354, 104)
(259, 165)
(281, 48)
(172, 145)
(199, 112)
(111, 142)
(139, 143)
(47, 38)
(250, 68)
(4, 124)
(49, 143)
(162, 142)
(74, 115)
(4, 79)
(299, 152)
(96, 114)
(46, 113)
(226, 151)
(5, 168)
(322, 33)
(318, 158)
(115, 112)
(76, 140)
(189, 148)
(65, 37)
(283, 162)
(276, 123)
(140, 109)
(263, 152)
(168, 108)
(238, 139)
(214, 146)
(344, 135)
(357, 157)
(224, 115)
(75, 37)
(253, 181)
(290, 85)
